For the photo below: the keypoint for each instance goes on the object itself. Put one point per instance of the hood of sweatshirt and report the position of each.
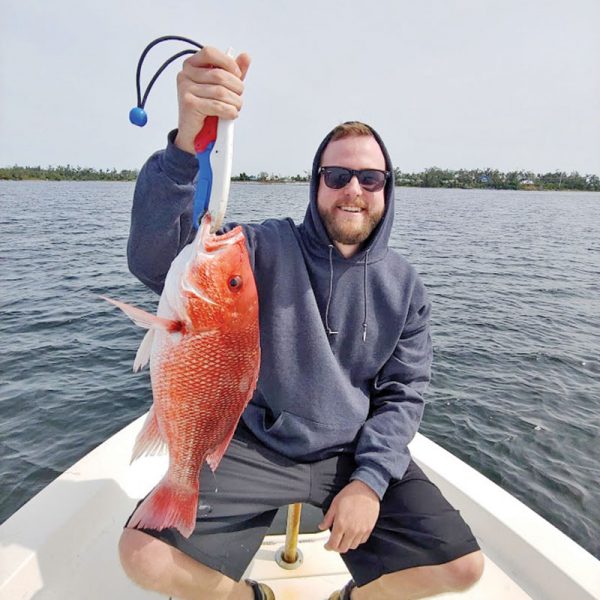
(318, 243)
(313, 230)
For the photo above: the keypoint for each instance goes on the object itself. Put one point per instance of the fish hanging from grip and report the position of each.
(203, 347)
(213, 143)
(203, 344)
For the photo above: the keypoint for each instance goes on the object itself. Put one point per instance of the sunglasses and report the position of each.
(371, 180)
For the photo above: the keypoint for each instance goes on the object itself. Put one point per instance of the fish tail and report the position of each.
(168, 505)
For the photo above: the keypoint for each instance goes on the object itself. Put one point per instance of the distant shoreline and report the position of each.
(430, 178)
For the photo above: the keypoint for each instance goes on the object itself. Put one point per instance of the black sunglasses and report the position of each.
(371, 180)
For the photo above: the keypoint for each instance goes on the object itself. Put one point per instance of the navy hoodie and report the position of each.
(345, 343)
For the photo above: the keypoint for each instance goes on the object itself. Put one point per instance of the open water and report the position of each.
(515, 282)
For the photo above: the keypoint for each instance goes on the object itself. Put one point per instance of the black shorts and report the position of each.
(416, 525)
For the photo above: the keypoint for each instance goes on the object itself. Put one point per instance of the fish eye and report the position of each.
(235, 282)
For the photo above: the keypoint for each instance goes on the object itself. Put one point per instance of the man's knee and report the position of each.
(145, 559)
(465, 571)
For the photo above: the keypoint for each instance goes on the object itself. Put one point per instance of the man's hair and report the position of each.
(350, 128)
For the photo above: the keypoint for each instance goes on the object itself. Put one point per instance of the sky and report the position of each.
(505, 84)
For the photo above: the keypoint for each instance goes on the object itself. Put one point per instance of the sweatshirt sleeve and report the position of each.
(161, 217)
(397, 401)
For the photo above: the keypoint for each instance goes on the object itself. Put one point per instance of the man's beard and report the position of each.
(345, 232)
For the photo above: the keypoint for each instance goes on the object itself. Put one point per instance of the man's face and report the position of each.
(351, 213)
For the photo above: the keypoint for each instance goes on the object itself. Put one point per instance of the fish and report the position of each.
(203, 346)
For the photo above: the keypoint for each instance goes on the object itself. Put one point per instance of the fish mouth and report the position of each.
(210, 245)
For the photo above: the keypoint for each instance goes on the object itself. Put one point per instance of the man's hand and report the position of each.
(209, 84)
(353, 514)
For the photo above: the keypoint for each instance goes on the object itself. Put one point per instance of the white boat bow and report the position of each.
(62, 544)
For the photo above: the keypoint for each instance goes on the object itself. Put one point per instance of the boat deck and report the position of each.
(323, 572)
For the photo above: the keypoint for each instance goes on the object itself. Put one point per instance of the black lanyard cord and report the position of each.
(141, 100)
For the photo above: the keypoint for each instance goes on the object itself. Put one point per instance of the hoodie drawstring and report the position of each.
(329, 330)
(364, 335)
(365, 314)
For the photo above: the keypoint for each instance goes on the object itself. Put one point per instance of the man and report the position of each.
(345, 359)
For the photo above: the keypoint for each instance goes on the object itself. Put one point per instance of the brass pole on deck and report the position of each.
(290, 556)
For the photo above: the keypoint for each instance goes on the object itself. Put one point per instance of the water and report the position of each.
(514, 279)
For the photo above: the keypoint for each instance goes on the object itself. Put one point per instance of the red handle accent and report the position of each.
(206, 135)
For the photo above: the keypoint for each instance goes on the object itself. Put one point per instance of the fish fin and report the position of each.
(169, 504)
(145, 319)
(143, 354)
(149, 440)
(214, 457)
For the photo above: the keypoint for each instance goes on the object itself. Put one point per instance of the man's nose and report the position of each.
(353, 187)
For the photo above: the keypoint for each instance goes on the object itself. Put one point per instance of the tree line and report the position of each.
(67, 173)
(492, 178)
(433, 177)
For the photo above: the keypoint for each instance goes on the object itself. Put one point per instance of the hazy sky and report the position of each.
(507, 84)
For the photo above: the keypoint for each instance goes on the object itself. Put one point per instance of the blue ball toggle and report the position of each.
(138, 116)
